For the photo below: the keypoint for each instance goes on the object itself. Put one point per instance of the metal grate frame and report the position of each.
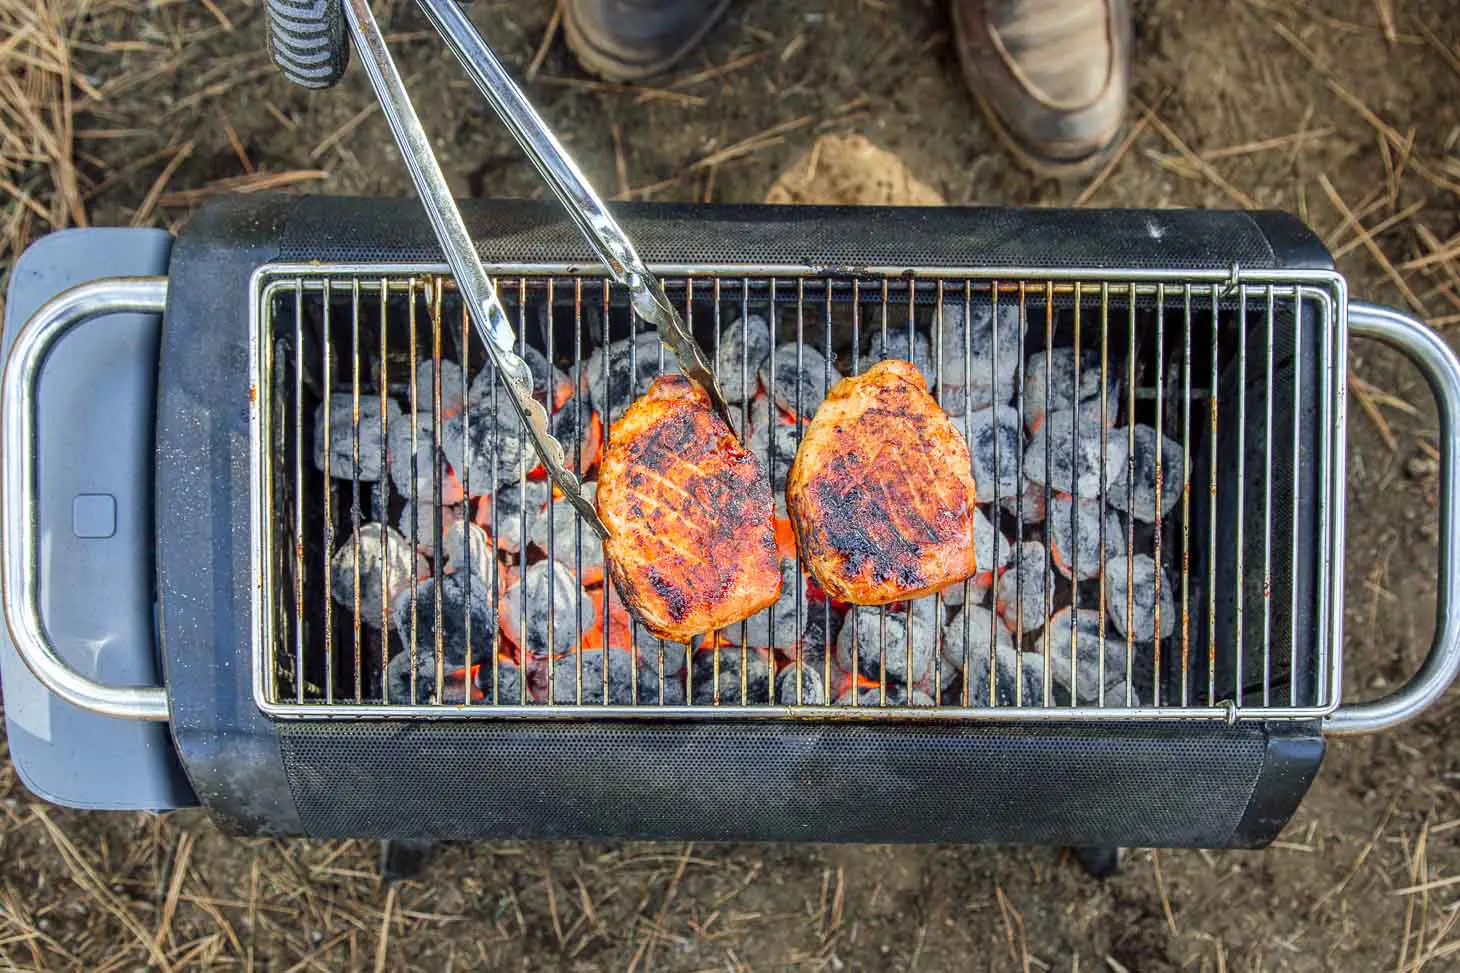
(1183, 346)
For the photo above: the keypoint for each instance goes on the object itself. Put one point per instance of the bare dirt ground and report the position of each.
(1346, 112)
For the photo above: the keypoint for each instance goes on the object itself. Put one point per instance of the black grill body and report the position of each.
(1149, 783)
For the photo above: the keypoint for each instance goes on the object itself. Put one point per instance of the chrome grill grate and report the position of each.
(1235, 370)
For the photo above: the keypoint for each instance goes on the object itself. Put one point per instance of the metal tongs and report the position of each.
(646, 293)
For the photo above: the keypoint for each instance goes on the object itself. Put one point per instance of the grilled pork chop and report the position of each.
(881, 493)
(691, 541)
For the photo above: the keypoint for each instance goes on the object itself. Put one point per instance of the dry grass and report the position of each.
(137, 111)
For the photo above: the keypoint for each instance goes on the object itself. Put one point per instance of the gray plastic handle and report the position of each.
(19, 566)
(1441, 369)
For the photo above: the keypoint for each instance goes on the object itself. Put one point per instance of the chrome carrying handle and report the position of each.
(19, 528)
(1441, 369)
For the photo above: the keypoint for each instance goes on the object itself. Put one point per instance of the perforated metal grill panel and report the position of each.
(1136, 785)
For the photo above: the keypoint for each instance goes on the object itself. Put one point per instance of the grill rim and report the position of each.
(1325, 286)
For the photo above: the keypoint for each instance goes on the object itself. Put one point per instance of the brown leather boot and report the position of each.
(1052, 76)
(624, 40)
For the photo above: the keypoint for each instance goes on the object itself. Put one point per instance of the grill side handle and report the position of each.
(1441, 369)
(19, 568)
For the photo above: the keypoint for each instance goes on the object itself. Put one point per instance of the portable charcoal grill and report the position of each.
(435, 692)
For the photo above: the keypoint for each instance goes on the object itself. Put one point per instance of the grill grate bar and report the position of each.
(1106, 374)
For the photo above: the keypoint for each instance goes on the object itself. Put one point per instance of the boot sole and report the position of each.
(612, 68)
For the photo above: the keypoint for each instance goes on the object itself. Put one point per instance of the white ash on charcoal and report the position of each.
(1130, 596)
(897, 695)
(563, 534)
(417, 465)
(969, 591)
(900, 343)
(992, 368)
(967, 636)
(1083, 625)
(757, 677)
(778, 626)
(1019, 596)
(744, 347)
(747, 416)
(866, 627)
(502, 513)
(417, 521)
(1136, 494)
(487, 446)
(466, 616)
(1028, 505)
(453, 387)
(801, 685)
(1058, 380)
(389, 566)
(1067, 453)
(994, 445)
(803, 376)
(499, 683)
(466, 548)
(619, 373)
(1075, 536)
(545, 590)
(585, 669)
(341, 410)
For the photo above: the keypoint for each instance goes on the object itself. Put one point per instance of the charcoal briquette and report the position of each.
(803, 376)
(632, 365)
(563, 534)
(587, 665)
(1075, 538)
(1028, 505)
(416, 463)
(992, 369)
(967, 636)
(488, 443)
(900, 343)
(502, 513)
(466, 612)
(801, 685)
(897, 695)
(499, 683)
(1059, 379)
(1020, 592)
(341, 409)
(774, 445)
(387, 565)
(1087, 637)
(417, 521)
(866, 627)
(1066, 455)
(994, 445)
(465, 547)
(1130, 592)
(1136, 495)
(546, 590)
(453, 387)
(744, 347)
(757, 676)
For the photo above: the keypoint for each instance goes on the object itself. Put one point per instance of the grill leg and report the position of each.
(403, 859)
(1101, 863)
